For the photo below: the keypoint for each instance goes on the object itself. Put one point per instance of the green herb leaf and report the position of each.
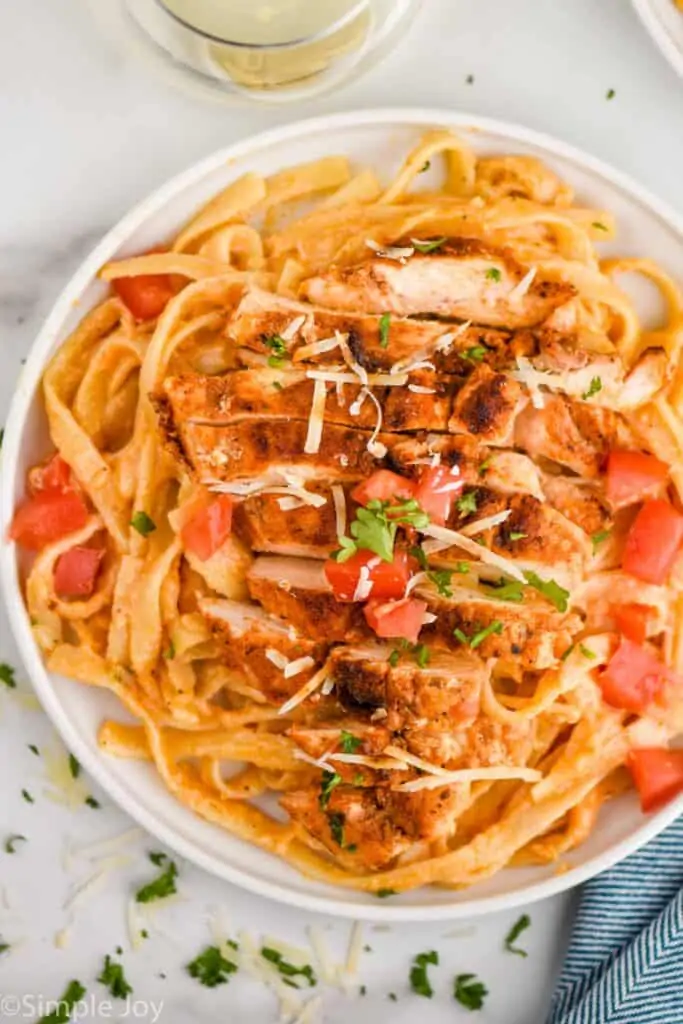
(493, 274)
(441, 578)
(11, 842)
(7, 676)
(493, 627)
(422, 655)
(599, 538)
(462, 637)
(157, 858)
(34, 749)
(469, 991)
(384, 326)
(277, 385)
(349, 743)
(462, 568)
(611, 94)
(2, 435)
(587, 653)
(505, 590)
(393, 658)
(384, 894)
(113, 977)
(329, 781)
(92, 802)
(598, 226)
(520, 925)
(287, 970)
(336, 823)
(425, 166)
(169, 653)
(211, 968)
(551, 590)
(475, 354)
(593, 388)
(358, 779)
(161, 887)
(517, 535)
(470, 79)
(428, 246)
(143, 524)
(418, 553)
(65, 1006)
(276, 344)
(419, 982)
(74, 766)
(467, 503)
(565, 654)
(483, 466)
(4, 947)
(27, 796)
(346, 550)
(374, 528)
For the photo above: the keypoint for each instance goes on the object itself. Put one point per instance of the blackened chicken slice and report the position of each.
(464, 279)
(487, 406)
(304, 531)
(580, 501)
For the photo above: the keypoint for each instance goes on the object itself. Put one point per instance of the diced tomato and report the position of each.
(208, 527)
(658, 775)
(633, 677)
(631, 620)
(54, 474)
(388, 579)
(146, 295)
(76, 571)
(436, 490)
(399, 619)
(383, 485)
(653, 541)
(633, 476)
(48, 516)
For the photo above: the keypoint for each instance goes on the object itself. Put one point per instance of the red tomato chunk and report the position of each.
(208, 527)
(658, 775)
(396, 619)
(76, 571)
(653, 541)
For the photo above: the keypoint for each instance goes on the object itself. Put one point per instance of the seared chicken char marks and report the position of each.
(247, 633)
(579, 501)
(487, 407)
(297, 590)
(305, 531)
(464, 279)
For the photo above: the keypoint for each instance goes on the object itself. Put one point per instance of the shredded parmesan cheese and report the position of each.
(384, 763)
(466, 775)
(339, 499)
(316, 418)
(375, 447)
(316, 762)
(316, 348)
(293, 328)
(391, 252)
(310, 687)
(364, 584)
(388, 380)
(327, 687)
(277, 658)
(481, 554)
(486, 524)
(520, 290)
(419, 389)
(295, 668)
(415, 762)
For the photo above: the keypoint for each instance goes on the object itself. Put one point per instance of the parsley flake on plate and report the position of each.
(11, 842)
(289, 971)
(74, 766)
(520, 925)
(422, 655)
(27, 796)
(113, 977)
(587, 653)
(384, 894)
(73, 992)
(419, 981)
(384, 327)
(469, 991)
(211, 968)
(161, 887)
(92, 802)
(336, 823)
(143, 524)
(393, 658)
(7, 674)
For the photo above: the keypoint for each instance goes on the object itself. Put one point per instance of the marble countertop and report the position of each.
(87, 130)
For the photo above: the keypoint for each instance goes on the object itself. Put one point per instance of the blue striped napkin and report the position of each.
(625, 959)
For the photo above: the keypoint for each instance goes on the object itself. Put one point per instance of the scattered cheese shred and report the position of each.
(295, 668)
(339, 499)
(327, 687)
(293, 328)
(380, 763)
(354, 949)
(520, 290)
(364, 584)
(310, 687)
(419, 389)
(319, 762)
(481, 554)
(385, 380)
(486, 524)
(277, 658)
(466, 775)
(415, 762)
(391, 252)
(316, 418)
(316, 348)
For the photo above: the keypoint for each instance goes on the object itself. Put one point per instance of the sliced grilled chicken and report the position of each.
(247, 635)
(297, 590)
(304, 531)
(268, 449)
(487, 407)
(571, 433)
(579, 501)
(447, 688)
(482, 743)
(465, 279)
(505, 472)
(371, 827)
(423, 403)
(344, 735)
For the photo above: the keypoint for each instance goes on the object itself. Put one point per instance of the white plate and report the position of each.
(664, 21)
(380, 138)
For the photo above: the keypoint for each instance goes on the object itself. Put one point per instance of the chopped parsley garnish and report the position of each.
(470, 80)
(462, 568)
(143, 524)
(393, 658)
(65, 1006)
(374, 528)
(384, 327)
(599, 538)
(336, 823)
(4, 947)
(92, 802)
(419, 982)
(34, 749)
(483, 466)
(551, 590)
(11, 842)
(593, 388)
(418, 553)
(430, 245)
(469, 991)
(493, 274)
(277, 385)
(478, 638)
(517, 535)
(520, 925)
(505, 590)
(113, 977)
(425, 166)
(169, 653)
(383, 894)
(74, 766)
(441, 578)
(329, 781)
(362, 991)
(565, 654)
(278, 347)
(358, 779)
(211, 968)
(587, 653)
(610, 94)
(7, 676)
(287, 970)
(2, 435)
(422, 655)
(27, 796)
(392, 996)
(157, 858)
(598, 226)
(475, 354)
(161, 887)
(467, 503)
(349, 743)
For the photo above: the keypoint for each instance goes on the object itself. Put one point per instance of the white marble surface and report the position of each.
(86, 131)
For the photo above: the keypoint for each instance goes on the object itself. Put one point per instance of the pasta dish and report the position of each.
(366, 504)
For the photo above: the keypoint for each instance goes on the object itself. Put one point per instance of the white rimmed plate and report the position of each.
(380, 138)
(663, 19)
